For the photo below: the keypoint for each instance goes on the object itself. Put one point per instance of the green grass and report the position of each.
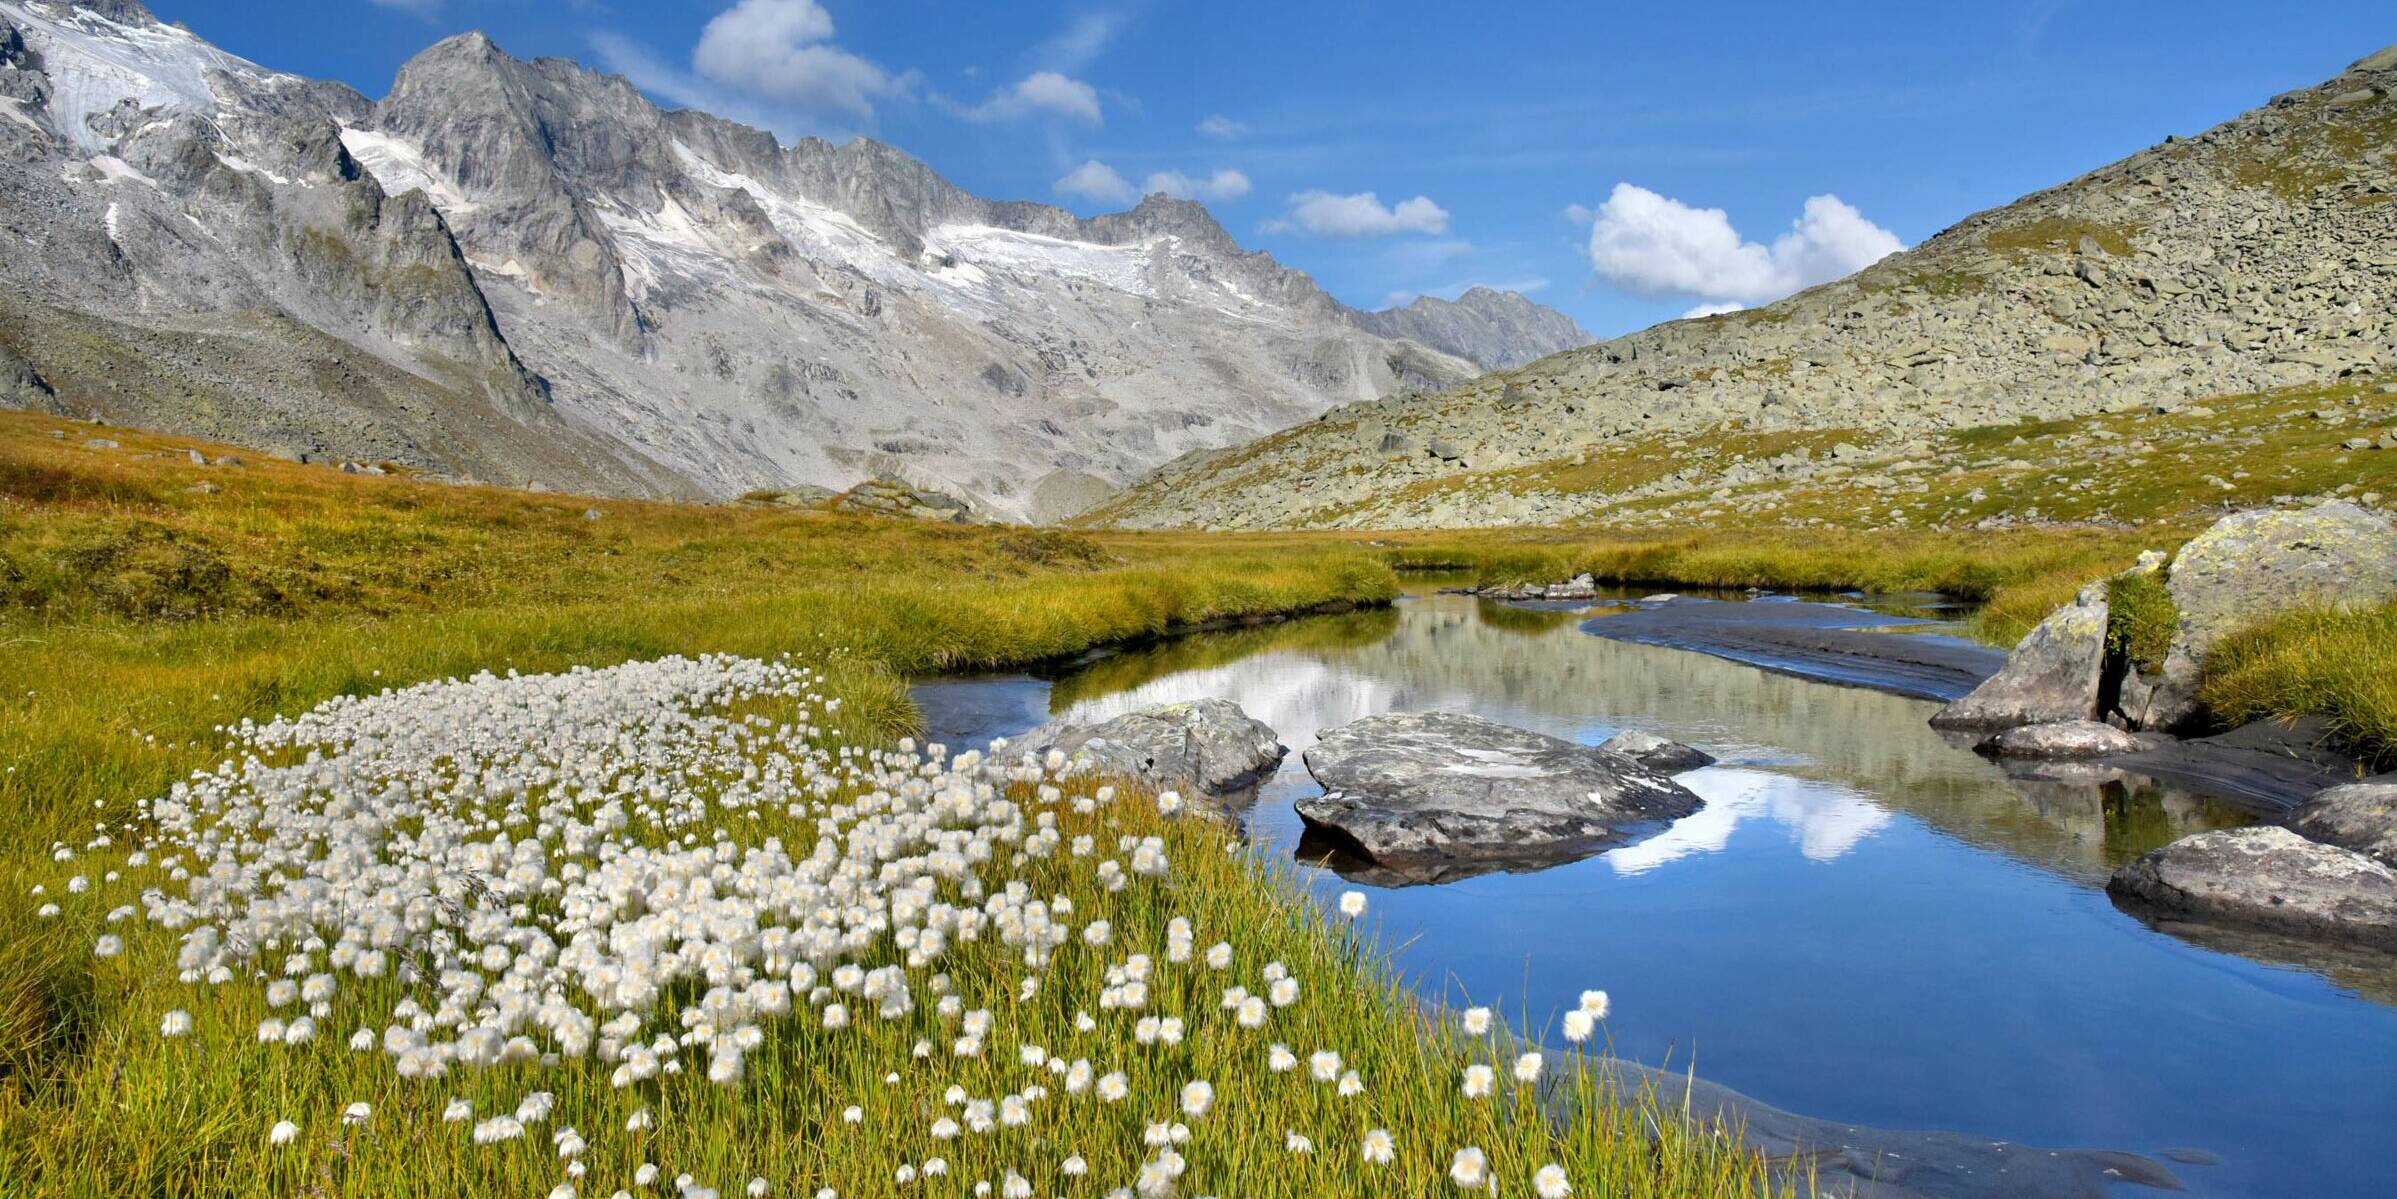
(2336, 663)
(2140, 619)
(139, 615)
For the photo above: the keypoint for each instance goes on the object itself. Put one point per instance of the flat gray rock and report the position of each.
(1209, 746)
(1657, 753)
(2061, 741)
(2357, 816)
(1432, 788)
(2052, 675)
(2268, 878)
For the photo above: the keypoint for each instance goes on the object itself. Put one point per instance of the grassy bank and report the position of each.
(2017, 577)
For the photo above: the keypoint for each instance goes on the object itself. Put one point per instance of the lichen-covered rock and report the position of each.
(1657, 753)
(2251, 565)
(2061, 741)
(1209, 746)
(2052, 675)
(2269, 878)
(2357, 816)
(1428, 788)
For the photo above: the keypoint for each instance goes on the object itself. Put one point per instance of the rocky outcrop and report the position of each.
(1209, 747)
(2053, 674)
(2358, 816)
(1063, 494)
(894, 497)
(2252, 256)
(2268, 878)
(2251, 565)
(1424, 790)
(2061, 741)
(1495, 330)
(1659, 754)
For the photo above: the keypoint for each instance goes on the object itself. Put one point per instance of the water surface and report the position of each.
(1865, 923)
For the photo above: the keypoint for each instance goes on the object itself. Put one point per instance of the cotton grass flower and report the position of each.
(1549, 1182)
(1295, 1141)
(1469, 1169)
(1197, 1097)
(176, 1023)
(108, 946)
(1579, 1025)
(1378, 1148)
(283, 1133)
(1475, 1021)
(1324, 1065)
(1479, 1081)
(1594, 1003)
(1527, 1068)
(1352, 904)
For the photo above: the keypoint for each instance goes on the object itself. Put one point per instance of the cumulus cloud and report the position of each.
(1221, 127)
(1095, 180)
(1658, 245)
(1222, 185)
(781, 50)
(1326, 214)
(1714, 309)
(1048, 92)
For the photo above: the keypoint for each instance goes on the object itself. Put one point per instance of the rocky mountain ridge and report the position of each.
(2259, 255)
(1497, 329)
(528, 272)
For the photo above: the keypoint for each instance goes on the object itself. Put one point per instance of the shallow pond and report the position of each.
(1865, 923)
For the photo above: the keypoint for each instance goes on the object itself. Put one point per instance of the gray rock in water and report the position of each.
(1427, 788)
(2253, 565)
(1210, 746)
(2052, 675)
(2269, 878)
(2061, 741)
(2357, 816)
(1657, 753)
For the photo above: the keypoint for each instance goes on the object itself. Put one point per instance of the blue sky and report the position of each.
(1623, 163)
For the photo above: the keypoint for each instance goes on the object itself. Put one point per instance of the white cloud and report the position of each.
(1714, 309)
(1038, 92)
(1579, 214)
(781, 50)
(1325, 214)
(1222, 185)
(1095, 180)
(1657, 245)
(1078, 43)
(422, 8)
(1221, 127)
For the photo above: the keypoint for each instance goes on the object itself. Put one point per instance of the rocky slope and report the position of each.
(2259, 255)
(526, 271)
(1496, 329)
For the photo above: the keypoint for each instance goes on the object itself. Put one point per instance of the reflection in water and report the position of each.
(1865, 923)
(1532, 668)
(1826, 821)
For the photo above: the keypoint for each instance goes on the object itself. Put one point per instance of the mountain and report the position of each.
(527, 272)
(2257, 259)
(1493, 329)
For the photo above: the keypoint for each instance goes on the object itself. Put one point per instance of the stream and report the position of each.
(1865, 923)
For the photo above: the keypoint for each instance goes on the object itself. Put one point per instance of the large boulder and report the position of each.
(2357, 816)
(2052, 675)
(2253, 565)
(1657, 753)
(1432, 788)
(1208, 746)
(2061, 741)
(2269, 878)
